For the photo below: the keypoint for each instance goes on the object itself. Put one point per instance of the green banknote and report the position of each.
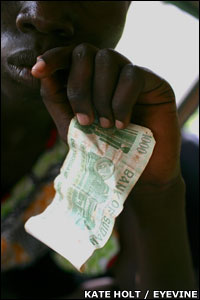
(101, 168)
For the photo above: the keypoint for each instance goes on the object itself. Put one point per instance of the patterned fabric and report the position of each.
(29, 197)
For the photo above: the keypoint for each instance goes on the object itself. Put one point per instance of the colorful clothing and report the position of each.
(30, 197)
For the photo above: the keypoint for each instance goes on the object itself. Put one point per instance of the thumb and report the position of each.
(51, 61)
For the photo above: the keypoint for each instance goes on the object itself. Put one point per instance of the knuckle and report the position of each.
(133, 74)
(76, 94)
(81, 50)
(103, 56)
(131, 71)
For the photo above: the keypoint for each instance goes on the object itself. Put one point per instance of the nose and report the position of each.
(46, 17)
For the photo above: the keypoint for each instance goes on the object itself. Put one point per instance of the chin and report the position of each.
(16, 90)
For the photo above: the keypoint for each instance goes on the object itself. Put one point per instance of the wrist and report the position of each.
(156, 201)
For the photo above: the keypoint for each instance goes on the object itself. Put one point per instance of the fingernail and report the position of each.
(39, 66)
(105, 122)
(119, 124)
(83, 119)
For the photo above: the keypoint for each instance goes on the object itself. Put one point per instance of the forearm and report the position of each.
(163, 254)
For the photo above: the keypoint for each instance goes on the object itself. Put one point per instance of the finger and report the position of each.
(129, 87)
(52, 60)
(156, 89)
(55, 99)
(79, 85)
(105, 79)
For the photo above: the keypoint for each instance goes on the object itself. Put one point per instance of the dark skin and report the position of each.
(79, 72)
(39, 38)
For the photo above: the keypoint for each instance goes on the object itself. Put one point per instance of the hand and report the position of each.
(75, 81)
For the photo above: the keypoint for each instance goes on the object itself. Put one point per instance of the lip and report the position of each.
(20, 64)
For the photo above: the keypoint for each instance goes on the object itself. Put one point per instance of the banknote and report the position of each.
(100, 169)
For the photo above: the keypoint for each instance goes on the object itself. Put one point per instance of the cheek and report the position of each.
(5, 50)
(103, 35)
(8, 45)
(4, 44)
(109, 30)
(113, 24)
(103, 25)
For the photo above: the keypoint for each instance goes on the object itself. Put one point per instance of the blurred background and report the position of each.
(168, 44)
